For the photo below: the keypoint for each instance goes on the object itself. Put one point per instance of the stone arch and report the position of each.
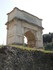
(31, 41)
(22, 24)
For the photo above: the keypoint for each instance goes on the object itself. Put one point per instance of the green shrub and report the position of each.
(49, 46)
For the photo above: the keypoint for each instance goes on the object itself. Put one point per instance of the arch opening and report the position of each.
(29, 39)
(25, 39)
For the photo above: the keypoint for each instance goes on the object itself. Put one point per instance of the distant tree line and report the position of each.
(48, 41)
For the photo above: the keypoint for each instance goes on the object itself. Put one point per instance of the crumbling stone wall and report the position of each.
(18, 59)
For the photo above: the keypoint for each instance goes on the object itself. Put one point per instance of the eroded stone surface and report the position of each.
(18, 59)
(20, 24)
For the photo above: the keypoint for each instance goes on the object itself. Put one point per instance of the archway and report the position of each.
(25, 41)
(31, 42)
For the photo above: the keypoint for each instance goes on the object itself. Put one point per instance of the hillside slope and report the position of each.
(12, 58)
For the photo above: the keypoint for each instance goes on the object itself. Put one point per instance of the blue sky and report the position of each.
(40, 8)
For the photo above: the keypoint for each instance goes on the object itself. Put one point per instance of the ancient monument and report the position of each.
(20, 24)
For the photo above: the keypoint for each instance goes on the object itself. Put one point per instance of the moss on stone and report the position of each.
(14, 58)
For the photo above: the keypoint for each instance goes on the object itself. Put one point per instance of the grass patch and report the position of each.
(47, 51)
(23, 48)
(31, 49)
(28, 49)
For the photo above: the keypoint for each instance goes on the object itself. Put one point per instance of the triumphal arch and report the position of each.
(20, 24)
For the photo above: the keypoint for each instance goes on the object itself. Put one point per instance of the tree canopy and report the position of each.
(47, 38)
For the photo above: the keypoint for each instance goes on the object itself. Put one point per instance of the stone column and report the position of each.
(39, 40)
